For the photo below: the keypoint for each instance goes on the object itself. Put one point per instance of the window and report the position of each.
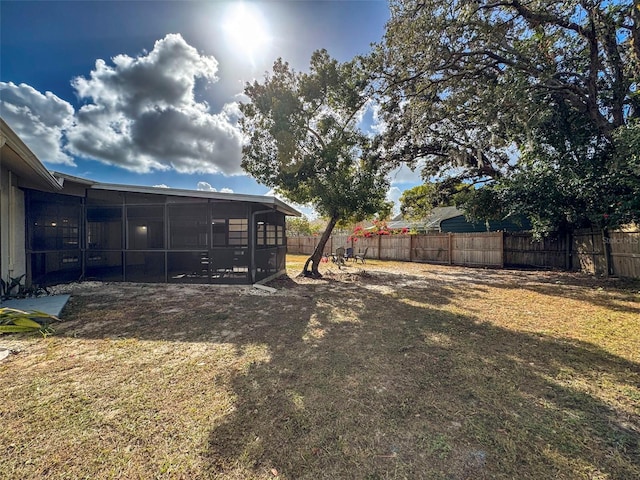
(282, 240)
(271, 234)
(232, 231)
(270, 230)
(260, 229)
(238, 231)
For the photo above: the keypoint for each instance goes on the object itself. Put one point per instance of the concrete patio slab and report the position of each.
(51, 304)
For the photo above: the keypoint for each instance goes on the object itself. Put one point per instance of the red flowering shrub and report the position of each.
(380, 227)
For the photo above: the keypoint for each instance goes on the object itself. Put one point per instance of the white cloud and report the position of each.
(162, 185)
(141, 113)
(393, 195)
(404, 174)
(39, 119)
(378, 126)
(205, 187)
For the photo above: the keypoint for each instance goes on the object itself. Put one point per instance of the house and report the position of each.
(59, 228)
(452, 219)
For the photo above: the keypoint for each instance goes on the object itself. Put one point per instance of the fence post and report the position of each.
(594, 256)
(607, 252)
(379, 245)
(502, 249)
(411, 248)
(450, 237)
(568, 251)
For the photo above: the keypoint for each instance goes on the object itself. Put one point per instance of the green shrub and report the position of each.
(13, 320)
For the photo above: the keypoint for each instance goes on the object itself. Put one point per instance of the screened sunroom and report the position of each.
(94, 231)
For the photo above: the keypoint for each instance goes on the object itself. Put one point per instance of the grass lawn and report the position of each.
(382, 371)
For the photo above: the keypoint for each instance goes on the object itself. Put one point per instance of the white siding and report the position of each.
(12, 227)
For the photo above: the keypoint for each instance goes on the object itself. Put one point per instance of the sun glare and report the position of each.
(246, 30)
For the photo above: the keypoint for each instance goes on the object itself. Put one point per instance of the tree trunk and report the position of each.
(316, 257)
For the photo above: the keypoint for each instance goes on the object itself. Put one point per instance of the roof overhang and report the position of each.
(267, 201)
(23, 163)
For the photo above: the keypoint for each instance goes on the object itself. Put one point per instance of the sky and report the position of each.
(146, 92)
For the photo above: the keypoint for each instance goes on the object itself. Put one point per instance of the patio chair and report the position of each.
(348, 253)
(338, 257)
(361, 256)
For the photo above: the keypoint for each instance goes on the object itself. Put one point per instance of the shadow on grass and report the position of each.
(608, 292)
(371, 378)
(363, 384)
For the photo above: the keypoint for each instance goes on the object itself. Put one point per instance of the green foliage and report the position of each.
(627, 142)
(572, 185)
(14, 288)
(417, 202)
(11, 287)
(304, 139)
(385, 212)
(301, 226)
(537, 97)
(17, 321)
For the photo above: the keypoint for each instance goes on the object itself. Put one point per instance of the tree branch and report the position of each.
(537, 18)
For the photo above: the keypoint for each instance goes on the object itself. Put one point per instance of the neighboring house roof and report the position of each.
(452, 219)
(21, 161)
(430, 223)
(439, 214)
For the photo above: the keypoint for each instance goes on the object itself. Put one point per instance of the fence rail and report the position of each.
(591, 251)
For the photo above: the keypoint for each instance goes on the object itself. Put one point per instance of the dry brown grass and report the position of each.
(387, 370)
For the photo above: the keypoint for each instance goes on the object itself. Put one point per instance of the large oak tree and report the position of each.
(537, 98)
(305, 139)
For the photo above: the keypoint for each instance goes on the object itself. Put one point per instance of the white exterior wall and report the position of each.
(12, 227)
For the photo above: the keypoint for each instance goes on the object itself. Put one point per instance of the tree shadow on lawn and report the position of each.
(367, 379)
(614, 293)
(364, 384)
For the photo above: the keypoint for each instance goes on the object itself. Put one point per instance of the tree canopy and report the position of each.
(304, 138)
(537, 99)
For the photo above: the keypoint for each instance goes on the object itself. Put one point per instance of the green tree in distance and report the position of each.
(537, 99)
(417, 202)
(301, 226)
(304, 139)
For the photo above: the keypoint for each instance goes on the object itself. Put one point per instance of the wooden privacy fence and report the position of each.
(591, 251)
(471, 249)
